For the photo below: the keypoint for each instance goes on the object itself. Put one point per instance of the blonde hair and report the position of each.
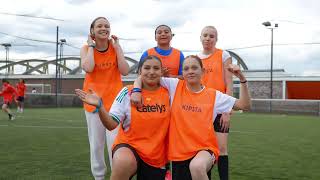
(212, 27)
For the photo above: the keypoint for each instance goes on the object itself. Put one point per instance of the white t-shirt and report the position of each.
(120, 110)
(225, 55)
(223, 104)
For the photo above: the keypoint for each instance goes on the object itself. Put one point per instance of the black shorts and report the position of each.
(144, 171)
(20, 98)
(181, 170)
(217, 126)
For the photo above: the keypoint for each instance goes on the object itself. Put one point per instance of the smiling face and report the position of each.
(100, 28)
(209, 37)
(163, 35)
(192, 70)
(150, 72)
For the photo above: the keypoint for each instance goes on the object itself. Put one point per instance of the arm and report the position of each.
(106, 119)
(169, 83)
(228, 77)
(93, 99)
(15, 92)
(122, 63)
(24, 90)
(144, 55)
(180, 66)
(225, 119)
(136, 97)
(244, 102)
(87, 57)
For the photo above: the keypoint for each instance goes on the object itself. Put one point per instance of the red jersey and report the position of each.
(8, 92)
(21, 89)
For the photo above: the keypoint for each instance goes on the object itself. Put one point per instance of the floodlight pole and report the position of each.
(57, 49)
(268, 25)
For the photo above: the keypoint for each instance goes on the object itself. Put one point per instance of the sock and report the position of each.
(223, 167)
(10, 115)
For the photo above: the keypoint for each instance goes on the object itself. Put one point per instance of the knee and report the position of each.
(122, 165)
(223, 149)
(122, 161)
(197, 168)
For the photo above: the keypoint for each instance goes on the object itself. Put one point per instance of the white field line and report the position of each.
(50, 119)
(52, 127)
(48, 127)
(44, 118)
(246, 132)
(80, 127)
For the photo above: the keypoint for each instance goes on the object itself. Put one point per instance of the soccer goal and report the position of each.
(38, 88)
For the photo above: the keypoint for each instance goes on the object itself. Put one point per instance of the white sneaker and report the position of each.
(12, 117)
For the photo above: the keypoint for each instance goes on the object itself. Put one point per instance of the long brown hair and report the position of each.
(94, 22)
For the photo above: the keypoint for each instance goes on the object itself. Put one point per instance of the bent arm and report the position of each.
(107, 120)
(228, 77)
(87, 59)
(122, 63)
(244, 101)
(93, 99)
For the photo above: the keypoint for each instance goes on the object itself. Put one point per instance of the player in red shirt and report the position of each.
(21, 89)
(8, 92)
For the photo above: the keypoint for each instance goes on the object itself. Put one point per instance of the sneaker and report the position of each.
(12, 117)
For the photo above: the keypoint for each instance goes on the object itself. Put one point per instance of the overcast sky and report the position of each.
(239, 24)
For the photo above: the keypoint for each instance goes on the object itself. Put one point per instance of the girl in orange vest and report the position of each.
(215, 62)
(171, 58)
(103, 61)
(193, 147)
(141, 144)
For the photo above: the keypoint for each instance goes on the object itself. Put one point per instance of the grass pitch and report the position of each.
(53, 144)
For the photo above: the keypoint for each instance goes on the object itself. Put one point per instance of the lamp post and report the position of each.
(269, 26)
(62, 42)
(7, 46)
(56, 63)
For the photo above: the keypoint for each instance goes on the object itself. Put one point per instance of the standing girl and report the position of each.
(103, 61)
(171, 58)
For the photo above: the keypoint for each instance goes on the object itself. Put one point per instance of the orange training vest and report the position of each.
(172, 62)
(105, 79)
(213, 76)
(191, 127)
(147, 133)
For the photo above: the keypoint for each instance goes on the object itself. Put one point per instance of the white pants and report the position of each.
(98, 136)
